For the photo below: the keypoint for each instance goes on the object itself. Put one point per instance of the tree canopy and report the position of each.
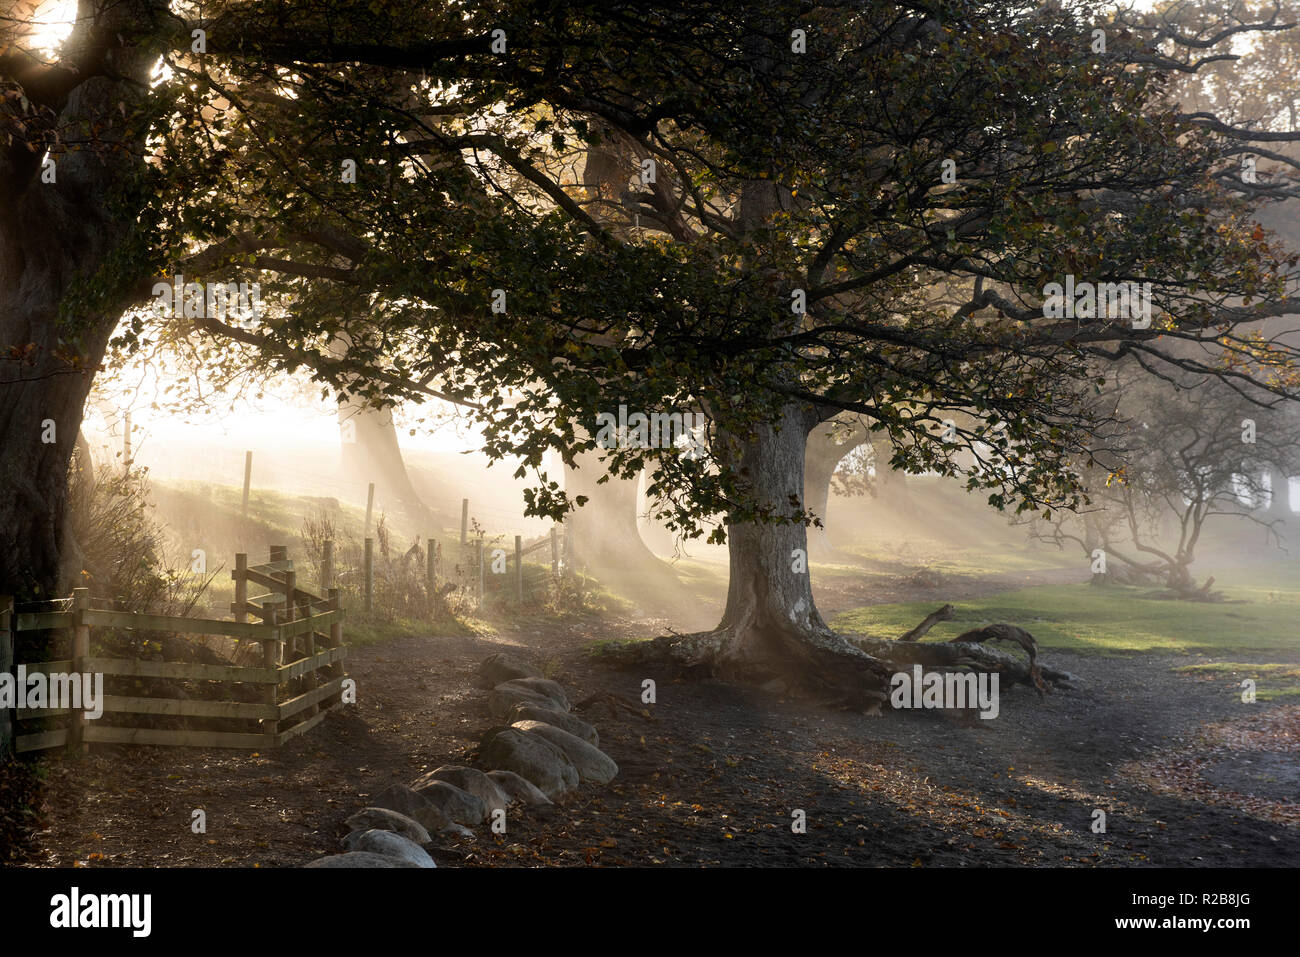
(543, 210)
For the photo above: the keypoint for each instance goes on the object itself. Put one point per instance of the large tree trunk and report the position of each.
(828, 443)
(891, 485)
(656, 535)
(1279, 498)
(37, 402)
(371, 453)
(51, 234)
(769, 597)
(771, 628)
(603, 533)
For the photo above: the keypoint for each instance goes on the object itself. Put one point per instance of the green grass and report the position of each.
(1272, 681)
(1119, 621)
(954, 561)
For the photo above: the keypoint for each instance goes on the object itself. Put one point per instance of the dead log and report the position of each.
(968, 650)
(943, 614)
(947, 655)
(1005, 632)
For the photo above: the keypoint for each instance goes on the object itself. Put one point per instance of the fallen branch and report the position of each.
(943, 614)
(1004, 632)
(968, 650)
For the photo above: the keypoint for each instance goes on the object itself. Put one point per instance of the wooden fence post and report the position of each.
(240, 575)
(126, 440)
(555, 552)
(464, 522)
(290, 586)
(271, 660)
(6, 668)
(327, 566)
(480, 573)
(80, 652)
(336, 637)
(248, 478)
(311, 680)
(431, 566)
(370, 506)
(519, 568)
(370, 575)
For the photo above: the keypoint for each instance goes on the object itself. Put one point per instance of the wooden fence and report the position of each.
(300, 678)
(477, 554)
(474, 562)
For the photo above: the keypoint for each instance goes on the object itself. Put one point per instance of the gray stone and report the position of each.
(543, 686)
(388, 820)
(535, 691)
(594, 765)
(503, 699)
(457, 806)
(503, 666)
(470, 780)
(390, 844)
(532, 757)
(360, 859)
(457, 832)
(400, 798)
(560, 719)
(518, 790)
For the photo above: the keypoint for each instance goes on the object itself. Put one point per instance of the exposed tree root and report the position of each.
(852, 672)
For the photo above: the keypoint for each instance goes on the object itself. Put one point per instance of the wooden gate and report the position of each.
(299, 679)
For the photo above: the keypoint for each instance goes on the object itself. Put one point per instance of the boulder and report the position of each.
(594, 765)
(360, 859)
(532, 757)
(518, 790)
(389, 843)
(470, 780)
(503, 699)
(388, 820)
(456, 832)
(560, 719)
(535, 691)
(543, 686)
(418, 807)
(503, 667)
(457, 806)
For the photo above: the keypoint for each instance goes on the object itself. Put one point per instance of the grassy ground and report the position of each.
(206, 515)
(1259, 616)
(1273, 681)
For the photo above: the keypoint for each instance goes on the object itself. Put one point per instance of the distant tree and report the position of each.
(1197, 451)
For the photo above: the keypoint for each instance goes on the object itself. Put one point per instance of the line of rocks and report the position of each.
(540, 754)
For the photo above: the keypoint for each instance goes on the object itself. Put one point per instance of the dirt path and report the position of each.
(712, 777)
